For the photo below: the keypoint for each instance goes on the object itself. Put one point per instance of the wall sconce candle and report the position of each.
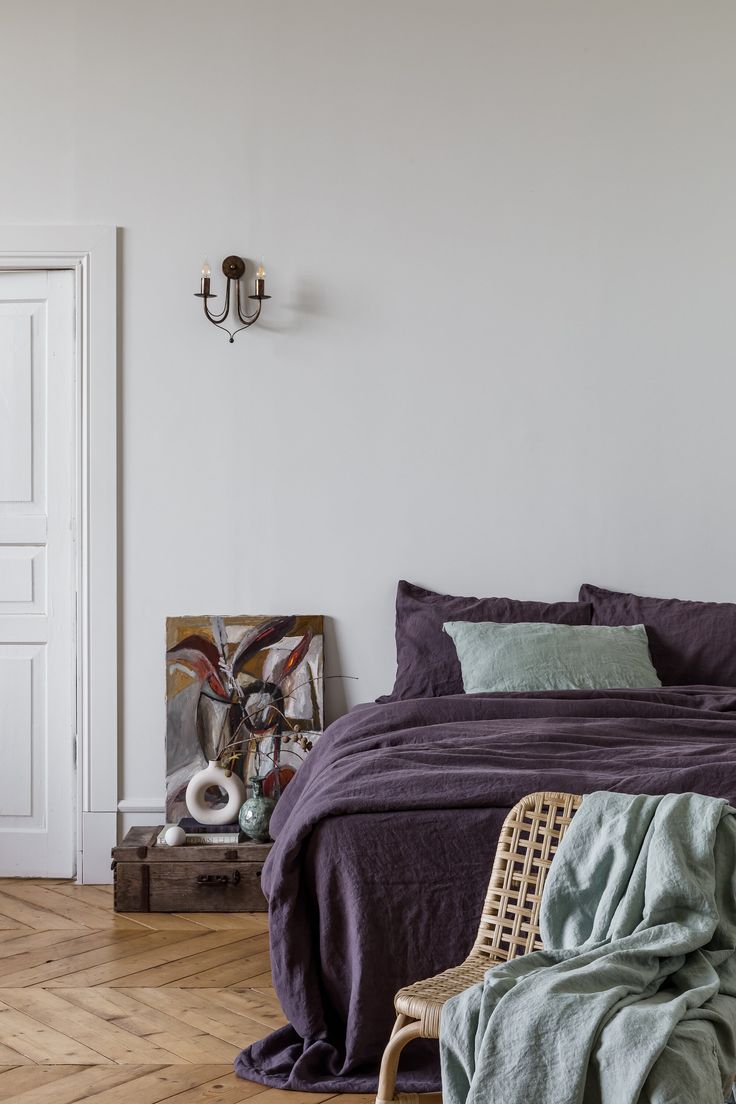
(233, 268)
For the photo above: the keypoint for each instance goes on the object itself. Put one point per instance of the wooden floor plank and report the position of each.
(7, 924)
(112, 950)
(99, 896)
(79, 912)
(11, 1057)
(237, 972)
(186, 1042)
(185, 1005)
(251, 923)
(278, 1096)
(164, 921)
(159, 1085)
(230, 1089)
(17, 1082)
(83, 1084)
(44, 1044)
(264, 980)
(40, 919)
(268, 993)
(208, 950)
(52, 941)
(36, 918)
(49, 1007)
(153, 952)
(248, 1002)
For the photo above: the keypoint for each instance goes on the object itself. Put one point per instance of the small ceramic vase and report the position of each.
(215, 775)
(255, 816)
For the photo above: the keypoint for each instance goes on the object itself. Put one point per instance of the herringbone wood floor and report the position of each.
(129, 1009)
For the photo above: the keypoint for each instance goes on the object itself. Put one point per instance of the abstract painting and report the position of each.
(247, 689)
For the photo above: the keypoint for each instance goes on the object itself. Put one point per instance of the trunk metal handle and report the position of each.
(218, 879)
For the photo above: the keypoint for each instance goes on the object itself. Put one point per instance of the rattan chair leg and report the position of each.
(400, 1036)
(401, 1021)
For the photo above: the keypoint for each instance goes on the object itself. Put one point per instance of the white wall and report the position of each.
(500, 354)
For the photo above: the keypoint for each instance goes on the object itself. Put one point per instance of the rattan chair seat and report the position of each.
(424, 1000)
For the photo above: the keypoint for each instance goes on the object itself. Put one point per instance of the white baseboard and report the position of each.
(141, 805)
(99, 835)
(101, 831)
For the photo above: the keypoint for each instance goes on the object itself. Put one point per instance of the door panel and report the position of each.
(37, 573)
(16, 695)
(16, 409)
(22, 579)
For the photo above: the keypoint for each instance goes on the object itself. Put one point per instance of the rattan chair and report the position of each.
(509, 927)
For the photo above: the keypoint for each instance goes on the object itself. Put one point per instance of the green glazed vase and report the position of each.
(255, 813)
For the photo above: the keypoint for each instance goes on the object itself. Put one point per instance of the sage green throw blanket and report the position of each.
(634, 997)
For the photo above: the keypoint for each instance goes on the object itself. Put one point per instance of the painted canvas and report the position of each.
(249, 689)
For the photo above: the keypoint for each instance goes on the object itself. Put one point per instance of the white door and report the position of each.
(37, 573)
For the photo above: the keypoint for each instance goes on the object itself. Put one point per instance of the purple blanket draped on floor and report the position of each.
(385, 838)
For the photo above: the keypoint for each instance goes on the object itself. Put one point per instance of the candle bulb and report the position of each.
(260, 280)
(205, 281)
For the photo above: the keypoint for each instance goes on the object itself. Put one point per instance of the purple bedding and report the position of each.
(385, 838)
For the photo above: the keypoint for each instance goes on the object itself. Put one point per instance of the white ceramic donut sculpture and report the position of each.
(214, 775)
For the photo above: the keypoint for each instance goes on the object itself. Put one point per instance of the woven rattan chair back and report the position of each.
(531, 833)
(509, 927)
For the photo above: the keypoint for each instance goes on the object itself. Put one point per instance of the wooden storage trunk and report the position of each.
(204, 878)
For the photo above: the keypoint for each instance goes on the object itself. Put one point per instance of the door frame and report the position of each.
(91, 252)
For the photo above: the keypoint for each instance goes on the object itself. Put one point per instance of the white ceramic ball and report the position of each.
(175, 836)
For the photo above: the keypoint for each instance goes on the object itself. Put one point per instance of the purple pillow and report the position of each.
(426, 660)
(692, 643)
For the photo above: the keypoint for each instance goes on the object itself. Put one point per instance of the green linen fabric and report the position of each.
(529, 656)
(633, 999)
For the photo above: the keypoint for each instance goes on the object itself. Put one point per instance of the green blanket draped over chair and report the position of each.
(633, 998)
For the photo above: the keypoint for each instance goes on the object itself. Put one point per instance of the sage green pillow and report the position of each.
(534, 656)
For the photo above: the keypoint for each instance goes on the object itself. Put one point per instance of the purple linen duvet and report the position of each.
(385, 838)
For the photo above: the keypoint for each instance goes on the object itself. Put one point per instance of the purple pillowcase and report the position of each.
(426, 661)
(692, 643)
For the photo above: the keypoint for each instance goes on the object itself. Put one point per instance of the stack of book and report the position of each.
(197, 834)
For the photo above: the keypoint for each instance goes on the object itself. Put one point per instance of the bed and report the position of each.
(384, 840)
